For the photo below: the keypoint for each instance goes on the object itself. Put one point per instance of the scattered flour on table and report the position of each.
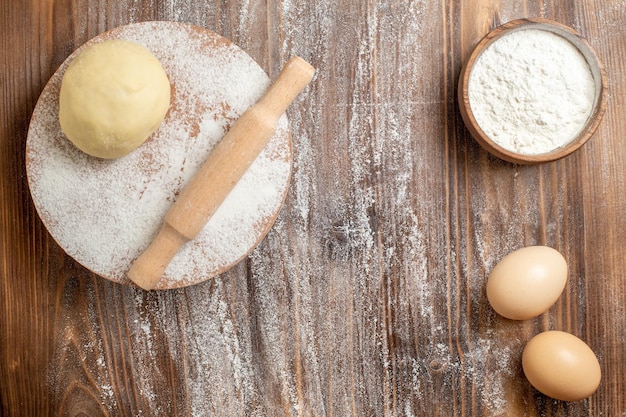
(215, 344)
(531, 91)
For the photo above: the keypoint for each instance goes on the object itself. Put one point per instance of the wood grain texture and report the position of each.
(367, 297)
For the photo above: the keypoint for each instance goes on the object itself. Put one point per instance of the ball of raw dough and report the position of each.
(114, 95)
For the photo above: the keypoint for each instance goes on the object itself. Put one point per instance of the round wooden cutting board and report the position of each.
(104, 213)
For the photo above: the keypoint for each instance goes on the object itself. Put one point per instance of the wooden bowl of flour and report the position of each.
(104, 213)
(532, 91)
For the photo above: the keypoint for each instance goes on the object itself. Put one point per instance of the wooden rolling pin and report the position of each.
(228, 162)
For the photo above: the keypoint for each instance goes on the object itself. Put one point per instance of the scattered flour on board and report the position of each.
(104, 213)
(531, 91)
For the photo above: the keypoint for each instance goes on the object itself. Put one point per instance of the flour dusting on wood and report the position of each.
(362, 298)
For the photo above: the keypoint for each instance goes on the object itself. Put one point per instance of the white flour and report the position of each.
(531, 91)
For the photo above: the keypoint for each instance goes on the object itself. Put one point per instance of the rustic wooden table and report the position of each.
(367, 297)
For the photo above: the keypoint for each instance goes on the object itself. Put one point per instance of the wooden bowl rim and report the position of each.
(597, 70)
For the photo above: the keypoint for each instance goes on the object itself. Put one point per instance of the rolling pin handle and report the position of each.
(148, 269)
(292, 79)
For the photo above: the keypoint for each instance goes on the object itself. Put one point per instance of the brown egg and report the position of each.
(527, 282)
(561, 366)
